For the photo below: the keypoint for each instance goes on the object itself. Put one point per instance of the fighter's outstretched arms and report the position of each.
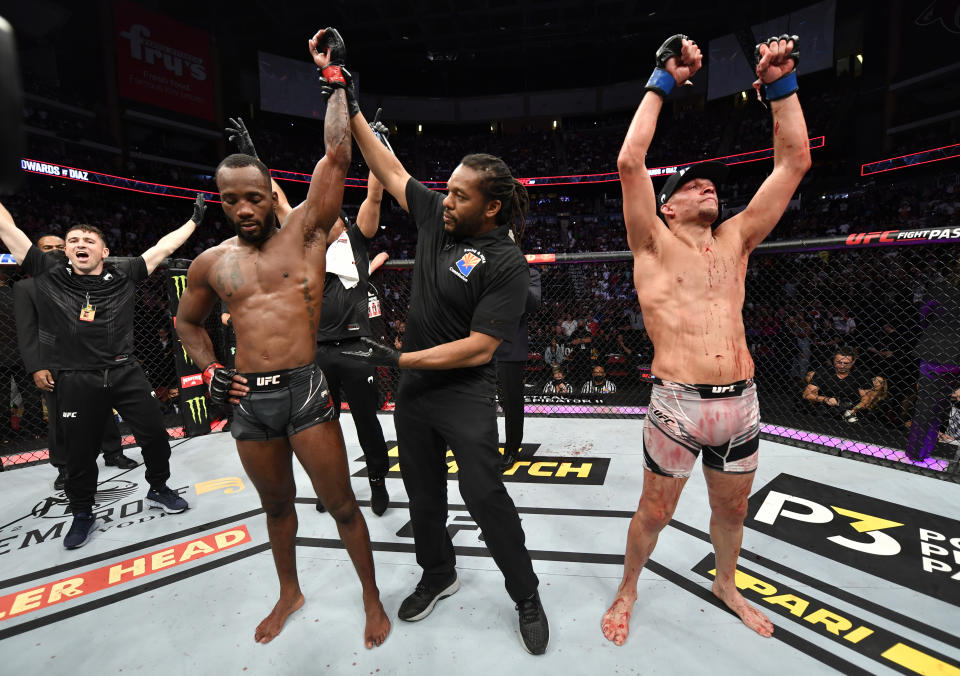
(677, 60)
(777, 73)
(172, 241)
(13, 237)
(317, 214)
(197, 301)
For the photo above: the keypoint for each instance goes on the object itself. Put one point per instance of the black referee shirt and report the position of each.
(345, 313)
(69, 341)
(474, 284)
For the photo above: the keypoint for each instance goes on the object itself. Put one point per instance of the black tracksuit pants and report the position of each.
(426, 424)
(510, 378)
(111, 444)
(359, 383)
(84, 401)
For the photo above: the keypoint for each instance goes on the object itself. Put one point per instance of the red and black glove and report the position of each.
(334, 75)
(218, 380)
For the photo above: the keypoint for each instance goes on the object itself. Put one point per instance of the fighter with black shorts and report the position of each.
(271, 279)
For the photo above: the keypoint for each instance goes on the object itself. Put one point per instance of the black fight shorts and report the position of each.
(282, 403)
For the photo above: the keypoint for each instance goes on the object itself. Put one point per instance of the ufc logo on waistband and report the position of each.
(69, 414)
(722, 389)
(268, 380)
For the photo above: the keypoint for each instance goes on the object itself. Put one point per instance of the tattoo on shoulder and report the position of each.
(229, 276)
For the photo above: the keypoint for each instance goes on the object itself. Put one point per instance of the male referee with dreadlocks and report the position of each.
(469, 291)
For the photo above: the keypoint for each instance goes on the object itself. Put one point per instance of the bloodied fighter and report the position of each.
(690, 284)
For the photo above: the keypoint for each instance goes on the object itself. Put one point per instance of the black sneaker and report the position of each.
(61, 481)
(83, 525)
(534, 630)
(379, 498)
(421, 602)
(166, 499)
(508, 461)
(119, 460)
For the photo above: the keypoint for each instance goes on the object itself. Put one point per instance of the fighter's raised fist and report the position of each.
(777, 57)
(684, 66)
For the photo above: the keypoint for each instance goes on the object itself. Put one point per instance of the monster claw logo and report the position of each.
(180, 284)
(186, 357)
(198, 409)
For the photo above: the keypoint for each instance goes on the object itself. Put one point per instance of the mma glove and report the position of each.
(661, 82)
(218, 380)
(380, 131)
(334, 75)
(375, 354)
(239, 135)
(199, 209)
(786, 85)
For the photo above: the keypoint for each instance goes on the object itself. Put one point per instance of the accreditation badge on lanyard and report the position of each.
(87, 311)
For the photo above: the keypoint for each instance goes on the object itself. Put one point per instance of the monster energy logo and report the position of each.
(180, 284)
(186, 357)
(198, 409)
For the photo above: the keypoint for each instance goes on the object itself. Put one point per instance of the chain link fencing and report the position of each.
(24, 424)
(869, 296)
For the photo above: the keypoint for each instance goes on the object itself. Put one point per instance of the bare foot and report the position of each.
(616, 623)
(273, 623)
(751, 617)
(378, 625)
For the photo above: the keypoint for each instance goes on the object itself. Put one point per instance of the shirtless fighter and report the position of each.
(690, 284)
(272, 282)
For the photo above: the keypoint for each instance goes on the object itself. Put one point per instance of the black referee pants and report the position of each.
(426, 425)
(359, 383)
(84, 400)
(510, 378)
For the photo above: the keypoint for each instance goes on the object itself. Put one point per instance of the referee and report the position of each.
(86, 323)
(469, 290)
(344, 319)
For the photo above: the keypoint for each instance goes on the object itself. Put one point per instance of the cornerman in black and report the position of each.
(29, 342)
(470, 284)
(86, 328)
(344, 319)
(511, 364)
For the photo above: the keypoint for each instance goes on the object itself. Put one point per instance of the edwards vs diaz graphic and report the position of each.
(910, 547)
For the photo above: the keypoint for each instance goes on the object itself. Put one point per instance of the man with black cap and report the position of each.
(690, 285)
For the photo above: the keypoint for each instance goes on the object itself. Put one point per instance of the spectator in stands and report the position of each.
(557, 354)
(842, 391)
(939, 353)
(952, 433)
(598, 383)
(581, 342)
(569, 325)
(558, 383)
(843, 323)
(802, 332)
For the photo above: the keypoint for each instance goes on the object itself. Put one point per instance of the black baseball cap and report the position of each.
(713, 171)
